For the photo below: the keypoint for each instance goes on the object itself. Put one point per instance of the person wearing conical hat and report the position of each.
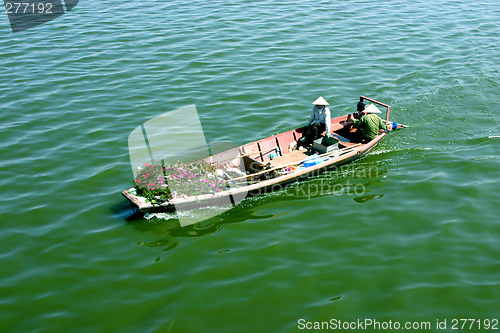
(319, 122)
(368, 124)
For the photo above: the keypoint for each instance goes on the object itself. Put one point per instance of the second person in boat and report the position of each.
(319, 122)
(369, 124)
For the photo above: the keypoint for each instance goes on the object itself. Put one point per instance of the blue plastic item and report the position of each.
(273, 155)
(394, 126)
(312, 160)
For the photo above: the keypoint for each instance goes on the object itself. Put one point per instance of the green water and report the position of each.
(419, 244)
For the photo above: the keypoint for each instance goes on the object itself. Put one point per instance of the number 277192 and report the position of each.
(28, 7)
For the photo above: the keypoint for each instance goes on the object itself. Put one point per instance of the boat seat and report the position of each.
(343, 141)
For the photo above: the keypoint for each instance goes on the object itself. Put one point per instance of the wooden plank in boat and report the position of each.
(289, 158)
(251, 149)
(267, 146)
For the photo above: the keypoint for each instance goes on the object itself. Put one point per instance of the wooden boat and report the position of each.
(270, 164)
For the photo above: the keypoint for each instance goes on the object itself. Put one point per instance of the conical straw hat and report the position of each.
(372, 109)
(320, 101)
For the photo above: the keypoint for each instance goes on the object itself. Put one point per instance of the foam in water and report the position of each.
(193, 214)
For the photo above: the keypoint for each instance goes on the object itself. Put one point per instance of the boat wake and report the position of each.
(195, 214)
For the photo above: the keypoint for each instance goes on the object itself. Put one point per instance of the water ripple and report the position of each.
(421, 244)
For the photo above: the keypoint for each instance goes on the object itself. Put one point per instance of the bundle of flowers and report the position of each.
(160, 183)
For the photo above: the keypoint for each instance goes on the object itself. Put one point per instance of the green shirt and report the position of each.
(370, 124)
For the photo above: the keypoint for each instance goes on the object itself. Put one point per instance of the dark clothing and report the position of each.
(358, 137)
(314, 131)
(370, 124)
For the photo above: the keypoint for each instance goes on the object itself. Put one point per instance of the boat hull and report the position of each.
(264, 186)
(263, 152)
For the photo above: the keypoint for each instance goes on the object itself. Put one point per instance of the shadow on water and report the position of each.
(354, 180)
(168, 225)
(366, 198)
